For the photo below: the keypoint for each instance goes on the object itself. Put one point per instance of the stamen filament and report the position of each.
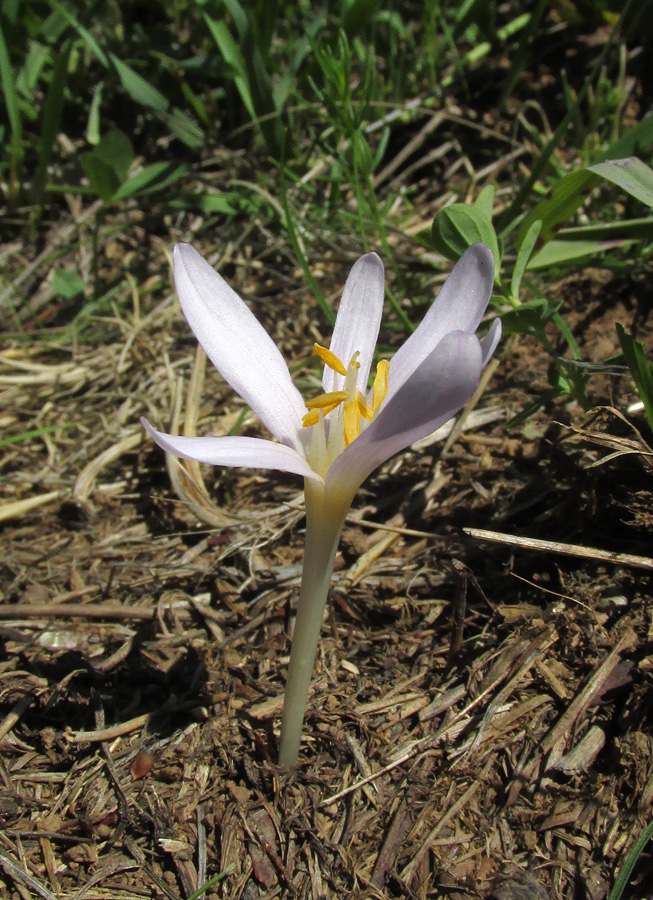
(352, 419)
(380, 387)
(330, 359)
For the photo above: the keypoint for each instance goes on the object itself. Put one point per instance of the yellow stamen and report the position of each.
(352, 418)
(332, 399)
(380, 387)
(311, 418)
(366, 410)
(330, 359)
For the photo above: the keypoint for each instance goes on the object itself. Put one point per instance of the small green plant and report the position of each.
(541, 244)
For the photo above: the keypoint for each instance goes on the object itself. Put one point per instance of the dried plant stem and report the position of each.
(324, 520)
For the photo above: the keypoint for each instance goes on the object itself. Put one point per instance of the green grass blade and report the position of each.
(624, 876)
(85, 35)
(52, 109)
(641, 370)
(137, 87)
(13, 107)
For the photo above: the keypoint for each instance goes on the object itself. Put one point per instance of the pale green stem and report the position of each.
(324, 520)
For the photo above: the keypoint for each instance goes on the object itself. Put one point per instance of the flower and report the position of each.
(338, 444)
(337, 439)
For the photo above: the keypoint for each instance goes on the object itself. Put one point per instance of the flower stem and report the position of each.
(324, 520)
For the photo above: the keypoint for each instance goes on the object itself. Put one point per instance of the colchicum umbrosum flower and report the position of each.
(334, 440)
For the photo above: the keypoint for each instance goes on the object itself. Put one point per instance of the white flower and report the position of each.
(428, 380)
(335, 440)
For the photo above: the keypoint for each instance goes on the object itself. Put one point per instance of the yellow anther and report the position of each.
(380, 387)
(311, 418)
(366, 410)
(330, 359)
(352, 418)
(331, 399)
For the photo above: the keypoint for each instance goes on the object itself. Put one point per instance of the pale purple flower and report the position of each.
(429, 378)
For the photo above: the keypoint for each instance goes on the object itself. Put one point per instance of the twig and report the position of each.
(525, 543)
(17, 508)
(88, 611)
(12, 869)
(11, 718)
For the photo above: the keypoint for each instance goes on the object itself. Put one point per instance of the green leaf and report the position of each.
(11, 101)
(85, 35)
(151, 178)
(67, 284)
(485, 201)
(638, 139)
(116, 150)
(524, 253)
(93, 124)
(137, 87)
(107, 166)
(630, 174)
(640, 368)
(234, 59)
(530, 318)
(102, 177)
(567, 195)
(458, 227)
(183, 127)
(561, 251)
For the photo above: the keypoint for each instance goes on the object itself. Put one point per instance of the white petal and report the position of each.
(238, 345)
(458, 307)
(251, 453)
(435, 391)
(358, 321)
(490, 341)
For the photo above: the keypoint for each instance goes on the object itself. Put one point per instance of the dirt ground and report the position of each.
(480, 722)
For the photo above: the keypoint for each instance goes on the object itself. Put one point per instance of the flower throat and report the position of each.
(353, 410)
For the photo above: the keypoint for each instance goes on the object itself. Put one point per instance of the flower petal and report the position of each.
(432, 394)
(490, 341)
(358, 321)
(251, 453)
(238, 345)
(458, 307)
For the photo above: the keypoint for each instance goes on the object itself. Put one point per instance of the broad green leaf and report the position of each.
(561, 251)
(102, 177)
(458, 227)
(67, 284)
(115, 149)
(630, 174)
(567, 195)
(530, 318)
(107, 166)
(485, 201)
(638, 139)
(137, 87)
